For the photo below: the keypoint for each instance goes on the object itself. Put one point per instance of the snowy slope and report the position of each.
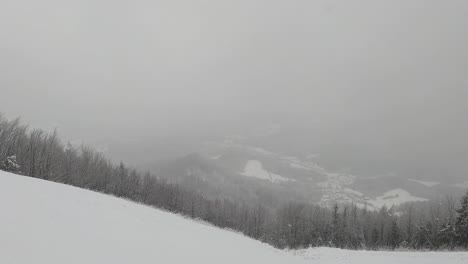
(395, 197)
(254, 168)
(45, 222)
(425, 183)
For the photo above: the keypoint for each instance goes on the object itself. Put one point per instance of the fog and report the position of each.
(379, 86)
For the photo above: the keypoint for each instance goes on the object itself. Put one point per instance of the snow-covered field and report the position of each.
(45, 222)
(394, 197)
(254, 168)
(425, 183)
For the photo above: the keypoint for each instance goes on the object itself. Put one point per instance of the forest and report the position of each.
(436, 225)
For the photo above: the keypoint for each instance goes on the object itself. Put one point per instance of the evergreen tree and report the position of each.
(420, 239)
(335, 242)
(461, 224)
(447, 235)
(394, 236)
(375, 238)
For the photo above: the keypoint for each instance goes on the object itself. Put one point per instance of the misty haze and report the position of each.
(233, 131)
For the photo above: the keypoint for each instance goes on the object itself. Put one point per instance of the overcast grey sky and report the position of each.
(386, 80)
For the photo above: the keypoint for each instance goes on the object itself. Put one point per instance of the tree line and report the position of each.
(433, 226)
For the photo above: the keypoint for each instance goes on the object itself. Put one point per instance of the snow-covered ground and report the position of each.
(393, 198)
(50, 223)
(254, 168)
(425, 183)
(45, 222)
(335, 256)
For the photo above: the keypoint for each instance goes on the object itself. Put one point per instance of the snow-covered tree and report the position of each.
(461, 224)
(394, 235)
(11, 165)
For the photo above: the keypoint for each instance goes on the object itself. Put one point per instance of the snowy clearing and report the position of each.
(46, 222)
(254, 168)
(395, 197)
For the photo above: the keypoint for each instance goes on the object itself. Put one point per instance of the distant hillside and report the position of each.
(237, 171)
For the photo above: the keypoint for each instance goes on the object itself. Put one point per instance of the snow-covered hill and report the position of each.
(254, 168)
(46, 222)
(313, 183)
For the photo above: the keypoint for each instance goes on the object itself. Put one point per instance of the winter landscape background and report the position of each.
(307, 124)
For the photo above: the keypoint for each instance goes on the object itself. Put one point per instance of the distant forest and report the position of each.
(422, 226)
